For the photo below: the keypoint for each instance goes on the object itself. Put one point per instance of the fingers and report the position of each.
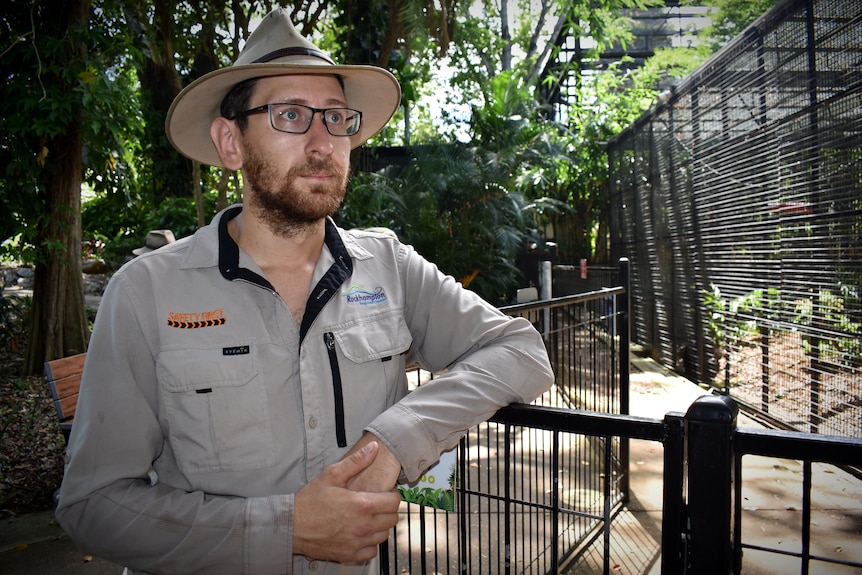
(346, 532)
(334, 523)
(381, 474)
(342, 472)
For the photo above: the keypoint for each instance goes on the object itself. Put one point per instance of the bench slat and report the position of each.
(64, 367)
(66, 407)
(64, 381)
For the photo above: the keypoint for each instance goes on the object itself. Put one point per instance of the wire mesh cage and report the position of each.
(739, 203)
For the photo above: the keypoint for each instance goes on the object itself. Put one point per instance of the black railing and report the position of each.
(716, 490)
(703, 495)
(539, 486)
(529, 499)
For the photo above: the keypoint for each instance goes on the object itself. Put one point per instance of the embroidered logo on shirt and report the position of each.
(196, 320)
(362, 296)
(238, 350)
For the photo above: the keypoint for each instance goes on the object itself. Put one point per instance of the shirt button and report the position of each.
(312, 422)
(313, 565)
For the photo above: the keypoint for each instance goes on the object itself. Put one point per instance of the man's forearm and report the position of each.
(382, 474)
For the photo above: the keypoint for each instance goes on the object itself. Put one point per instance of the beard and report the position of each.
(281, 203)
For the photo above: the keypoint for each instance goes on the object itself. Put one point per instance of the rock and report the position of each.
(94, 284)
(95, 266)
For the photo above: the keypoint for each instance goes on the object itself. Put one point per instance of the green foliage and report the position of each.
(832, 312)
(570, 170)
(723, 322)
(452, 203)
(730, 18)
(121, 224)
(438, 498)
(43, 90)
(429, 497)
(731, 321)
(464, 207)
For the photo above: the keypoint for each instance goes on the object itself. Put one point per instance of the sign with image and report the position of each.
(436, 488)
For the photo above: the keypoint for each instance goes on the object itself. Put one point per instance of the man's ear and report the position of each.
(224, 136)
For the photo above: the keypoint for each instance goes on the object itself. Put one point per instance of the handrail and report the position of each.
(563, 300)
(833, 449)
(581, 422)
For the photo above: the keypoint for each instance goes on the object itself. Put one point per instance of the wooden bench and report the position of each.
(64, 381)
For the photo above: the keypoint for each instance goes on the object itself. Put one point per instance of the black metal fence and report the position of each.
(530, 498)
(738, 201)
(717, 503)
(503, 523)
(539, 486)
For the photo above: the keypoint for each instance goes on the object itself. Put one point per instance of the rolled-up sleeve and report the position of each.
(482, 359)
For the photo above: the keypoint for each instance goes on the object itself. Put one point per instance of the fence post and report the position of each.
(623, 329)
(710, 424)
(673, 529)
(546, 294)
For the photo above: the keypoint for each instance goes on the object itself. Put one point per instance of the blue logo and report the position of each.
(364, 297)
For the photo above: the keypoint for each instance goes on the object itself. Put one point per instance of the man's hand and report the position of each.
(334, 523)
(382, 474)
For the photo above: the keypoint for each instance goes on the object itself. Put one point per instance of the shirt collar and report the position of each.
(212, 245)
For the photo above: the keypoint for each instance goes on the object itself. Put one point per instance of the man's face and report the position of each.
(295, 179)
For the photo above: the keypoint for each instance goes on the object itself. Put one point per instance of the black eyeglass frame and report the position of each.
(268, 108)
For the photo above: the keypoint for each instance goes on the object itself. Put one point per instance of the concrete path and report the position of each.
(772, 491)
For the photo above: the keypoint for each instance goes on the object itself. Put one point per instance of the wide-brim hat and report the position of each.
(275, 48)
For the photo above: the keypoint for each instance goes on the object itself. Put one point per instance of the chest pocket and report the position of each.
(367, 367)
(216, 407)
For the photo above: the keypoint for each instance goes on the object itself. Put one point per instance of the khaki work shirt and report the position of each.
(204, 407)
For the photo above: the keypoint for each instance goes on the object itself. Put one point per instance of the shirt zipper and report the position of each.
(340, 435)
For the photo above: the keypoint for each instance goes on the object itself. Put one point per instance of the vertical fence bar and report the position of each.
(737, 516)
(555, 500)
(673, 528)
(383, 553)
(464, 511)
(727, 351)
(507, 499)
(423, 566)
(764, 366)
(710, 423)
(546, 285)
(606, 510)
(624, 330)
(806, 517)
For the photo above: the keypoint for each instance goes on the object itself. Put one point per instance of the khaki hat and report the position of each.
(275, 48)
(155, 240)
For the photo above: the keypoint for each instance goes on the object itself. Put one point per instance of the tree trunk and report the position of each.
(160, 83)
(198, 193)
(58, 321)
(58, 325)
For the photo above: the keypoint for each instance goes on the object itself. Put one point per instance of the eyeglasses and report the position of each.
(296, 118)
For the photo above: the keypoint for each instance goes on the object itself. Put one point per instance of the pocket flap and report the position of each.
(374, 338)
(192, 369)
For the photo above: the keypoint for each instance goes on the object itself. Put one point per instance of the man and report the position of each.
(244, 405)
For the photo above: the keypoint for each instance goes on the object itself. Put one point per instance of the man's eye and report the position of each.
(290, 115)
(334, 117)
